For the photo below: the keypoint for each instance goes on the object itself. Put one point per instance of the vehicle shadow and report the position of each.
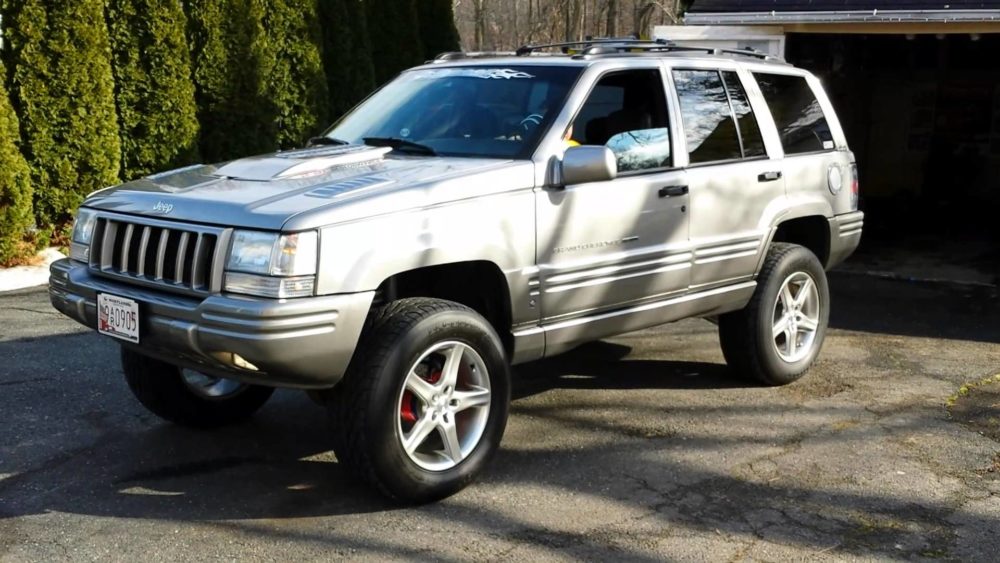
(279, 464)
(605, 365)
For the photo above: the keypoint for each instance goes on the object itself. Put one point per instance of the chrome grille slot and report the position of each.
(172, 256)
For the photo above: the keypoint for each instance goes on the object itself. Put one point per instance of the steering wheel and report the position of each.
(530, 123)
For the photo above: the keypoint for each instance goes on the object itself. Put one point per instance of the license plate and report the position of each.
(118, 317)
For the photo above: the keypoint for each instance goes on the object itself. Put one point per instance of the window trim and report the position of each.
(666, 106)
(729, 161)
(753, 112)
(732, 115)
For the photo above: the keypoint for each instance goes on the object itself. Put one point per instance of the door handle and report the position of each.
(673, 191)
(769, 177)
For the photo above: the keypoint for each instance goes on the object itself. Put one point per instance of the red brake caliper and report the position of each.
(408, 409)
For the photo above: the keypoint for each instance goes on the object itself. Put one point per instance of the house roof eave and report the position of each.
(842, 16)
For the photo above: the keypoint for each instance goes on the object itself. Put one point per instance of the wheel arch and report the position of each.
(809, 231)
(478, 284)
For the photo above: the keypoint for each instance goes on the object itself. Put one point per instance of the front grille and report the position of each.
(174, 256)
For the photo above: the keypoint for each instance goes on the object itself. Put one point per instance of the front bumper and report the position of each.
(303, 343)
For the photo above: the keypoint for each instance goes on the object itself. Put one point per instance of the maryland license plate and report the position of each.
(118, 317)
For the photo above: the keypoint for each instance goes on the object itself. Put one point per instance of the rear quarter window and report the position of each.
(797, 113)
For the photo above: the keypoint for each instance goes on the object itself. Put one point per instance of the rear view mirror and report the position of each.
(581, 165)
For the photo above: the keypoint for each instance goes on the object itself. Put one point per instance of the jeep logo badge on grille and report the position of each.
(164, 208)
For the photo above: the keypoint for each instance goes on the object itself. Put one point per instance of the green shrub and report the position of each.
(258, 74)
(346, 54)
(152, 68)
(15, 187)
(63, 90)
(292, 69)
(437, 27)
(393, 33)
(236, 120)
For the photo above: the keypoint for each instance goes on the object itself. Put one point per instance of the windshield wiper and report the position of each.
(317, 141)
(400, 145)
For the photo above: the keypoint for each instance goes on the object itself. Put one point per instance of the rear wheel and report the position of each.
(779, 334)
(424, 403)
(189, 398)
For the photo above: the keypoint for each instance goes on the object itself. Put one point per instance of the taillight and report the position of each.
(855, 187)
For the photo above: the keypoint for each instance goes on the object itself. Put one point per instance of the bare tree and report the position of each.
(507, 24)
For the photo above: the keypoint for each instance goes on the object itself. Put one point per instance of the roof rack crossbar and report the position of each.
(588, 42)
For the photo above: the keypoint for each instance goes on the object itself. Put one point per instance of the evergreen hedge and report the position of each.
(393, 30)
(258, 74)
(63, 90)
(236, 120)
(438, 33)
(152, 67)
(15, 187)
(347, 59)
(292, 69)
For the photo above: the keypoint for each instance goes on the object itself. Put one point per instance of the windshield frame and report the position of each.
(528, 150)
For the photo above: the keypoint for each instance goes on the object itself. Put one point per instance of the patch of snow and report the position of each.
(21, 277)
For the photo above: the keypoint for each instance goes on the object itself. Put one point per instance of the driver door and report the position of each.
(609, 245)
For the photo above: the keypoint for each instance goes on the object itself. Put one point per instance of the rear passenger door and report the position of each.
(732, 178)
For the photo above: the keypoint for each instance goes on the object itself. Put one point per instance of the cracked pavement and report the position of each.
(642, 447)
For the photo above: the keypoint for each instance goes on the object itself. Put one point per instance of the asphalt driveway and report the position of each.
(642, 447)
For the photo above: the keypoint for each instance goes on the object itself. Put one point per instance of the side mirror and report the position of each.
(581, 165)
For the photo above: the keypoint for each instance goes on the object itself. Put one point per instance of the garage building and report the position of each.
(917, 87)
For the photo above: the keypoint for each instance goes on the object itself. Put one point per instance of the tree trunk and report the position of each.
(479, 9)
(611, 28)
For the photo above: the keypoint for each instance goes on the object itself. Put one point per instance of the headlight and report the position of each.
(272, 265)
(83, 233)
(252, 252)
(83, 228)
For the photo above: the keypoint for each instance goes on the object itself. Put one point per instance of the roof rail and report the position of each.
(608, 46)
(458, 55)
(664, 46)
(591, 47)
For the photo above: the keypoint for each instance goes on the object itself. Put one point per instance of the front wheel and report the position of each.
(424, 403)
(779, 334)
(190, 398)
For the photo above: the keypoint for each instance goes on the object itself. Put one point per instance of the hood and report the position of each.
(310, 188)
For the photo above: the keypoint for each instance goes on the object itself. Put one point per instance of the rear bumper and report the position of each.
(303, 343)
(845, 236)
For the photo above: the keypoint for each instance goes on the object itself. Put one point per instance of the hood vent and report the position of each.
(331, 191)
(300, 163)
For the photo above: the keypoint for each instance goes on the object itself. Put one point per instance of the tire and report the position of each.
(164, 390)
(751, 343)
(379, 405)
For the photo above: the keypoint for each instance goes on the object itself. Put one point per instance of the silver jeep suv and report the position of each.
(474, 213)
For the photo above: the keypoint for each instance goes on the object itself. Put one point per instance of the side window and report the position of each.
(627, 112)
(750, 137)
(797, 113)
(708, 118)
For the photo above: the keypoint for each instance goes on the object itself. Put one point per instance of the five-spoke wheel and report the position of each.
(423, 405)
(778, 335)
(796, 317)
(444, 406)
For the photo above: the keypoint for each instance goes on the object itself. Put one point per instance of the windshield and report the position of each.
(481, 111)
